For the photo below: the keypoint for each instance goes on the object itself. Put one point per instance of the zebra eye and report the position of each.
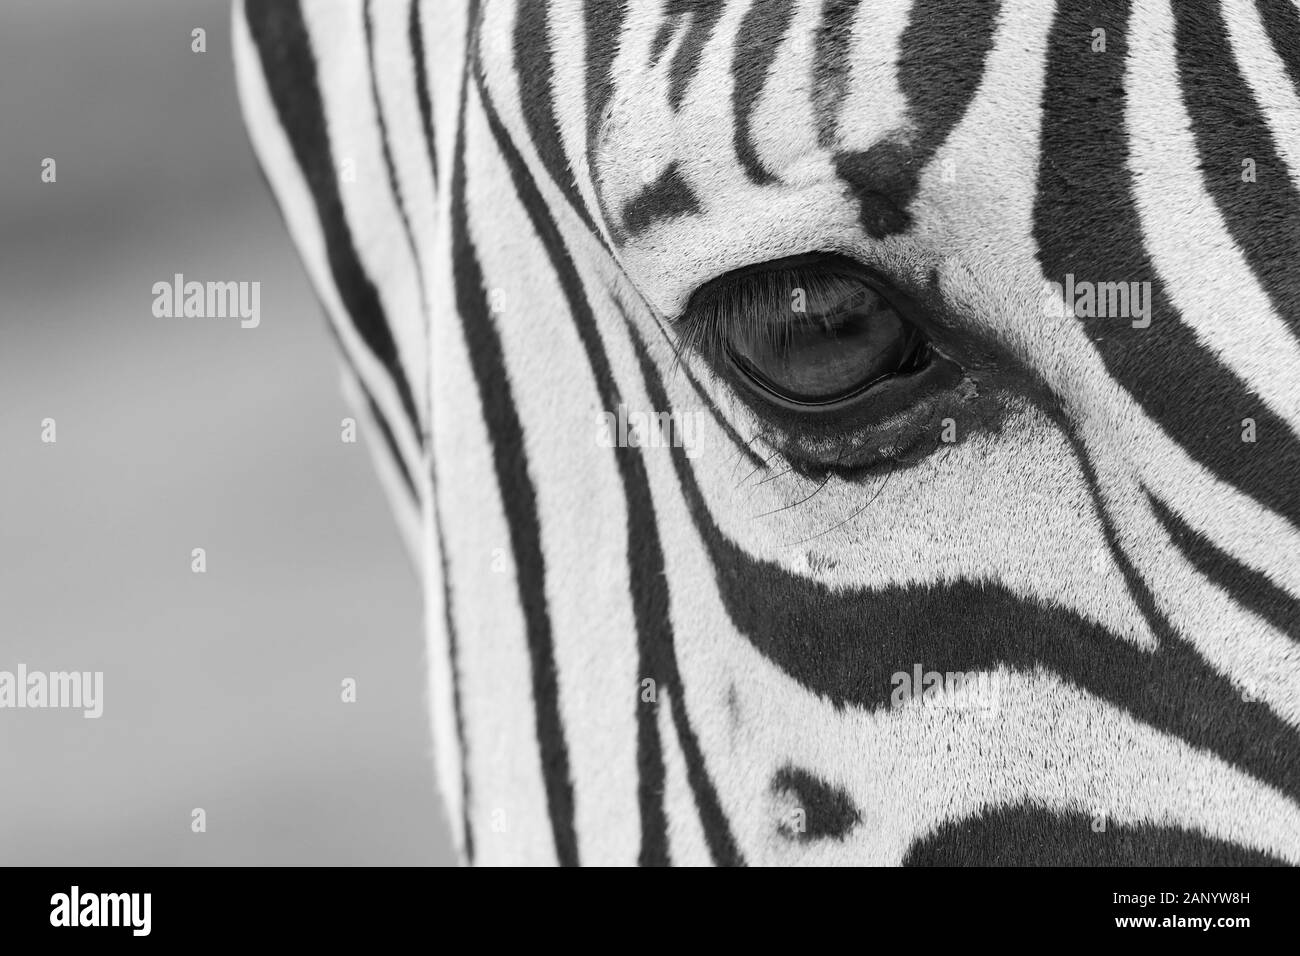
(839, 338)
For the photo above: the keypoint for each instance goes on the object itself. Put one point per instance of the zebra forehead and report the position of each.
(759, 130)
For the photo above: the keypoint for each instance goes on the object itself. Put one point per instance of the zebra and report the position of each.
(983, 318)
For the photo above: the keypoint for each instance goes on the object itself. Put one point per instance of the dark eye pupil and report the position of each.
(846, 339)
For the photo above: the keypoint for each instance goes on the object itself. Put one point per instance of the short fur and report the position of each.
(657, 654)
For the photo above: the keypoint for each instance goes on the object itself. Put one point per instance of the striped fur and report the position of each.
(505, 206)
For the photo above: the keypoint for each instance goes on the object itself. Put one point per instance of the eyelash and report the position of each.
(746, 302)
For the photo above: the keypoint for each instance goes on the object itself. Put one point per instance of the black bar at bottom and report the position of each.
(333, 906)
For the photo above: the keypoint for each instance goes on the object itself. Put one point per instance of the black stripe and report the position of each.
(415, 39)
(391, 170)
(668, 197)
(415, 36)
(372, 407)
(453, 662)
(941, 58)
(649, 591)
(534, 65)
(284, 47)
(1263, 217)
(604, 23)
(717, 832)
(1282, 22)
(762, 29)
(742, 447)
(831, 65)
(1246, 586)
(701, 17)
(385, 432)
(518, 498)
(940, 65)
(1086, 224)
(829, 811)
(1025, 835)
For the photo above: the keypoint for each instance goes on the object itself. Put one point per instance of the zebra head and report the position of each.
(831, 430)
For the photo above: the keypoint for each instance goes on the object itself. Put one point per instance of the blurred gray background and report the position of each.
(221, 690)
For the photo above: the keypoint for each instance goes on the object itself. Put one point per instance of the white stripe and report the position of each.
(450, 402)
(447, 755)
(1267, 77)
(783, 125)
(569, 46)
(443, 25)
(874, 106)
(686, 842)
(395, 70)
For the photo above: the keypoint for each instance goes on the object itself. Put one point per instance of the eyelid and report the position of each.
(788, 401)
